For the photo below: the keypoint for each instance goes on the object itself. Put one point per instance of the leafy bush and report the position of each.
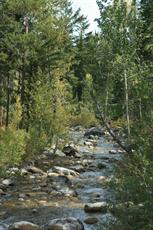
(49, 119)
(37, 142)
(135, 184)
(12, 146)
(85, 118)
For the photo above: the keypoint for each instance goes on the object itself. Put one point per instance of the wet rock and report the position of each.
(8, 182)
(2, 193)
(24, 225)
(59, 153)
(24, 171)
(104, 179)
(3, 187)
(92, 137)
(3, 227)
(64, 224)
(105, 158)
(113, 151)
(96, 207)
(13, 170)
(32, 177)
(51, 151)
(59, 185)
(64, 180)
(94, 132)
(78, 155)
(65, 171)
(24, 195)
(34, 170)
(78, 168)
(68, 192)
(89, 144)
(34, 210)
(91, 220)
(71, 150)
(101, 166)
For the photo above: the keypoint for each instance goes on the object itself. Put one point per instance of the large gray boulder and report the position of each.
(71, 150)
(24, 225)
(96, 207)
(65, 171)
(64, 224)
(94, 132)
(34, 170)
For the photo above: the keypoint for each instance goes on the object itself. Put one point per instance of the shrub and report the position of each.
(12, 146)
(85, 118)
(135, 183)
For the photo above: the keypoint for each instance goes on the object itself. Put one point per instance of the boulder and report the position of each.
(96, 207)
(3, 227)
(90, 144)
(64, 224)
(94, 132)
(13, 170)
(104, 179)
(60, 179)
(8, 182)
(91, 220)
(79, 168)
(65, 171)
(59, 184)
(2, 193)
(51, 151)
(113, 151)
(70, 150)
(101, 166)
(59, 153)
(34, 170)
(24, 225)
(24, 171)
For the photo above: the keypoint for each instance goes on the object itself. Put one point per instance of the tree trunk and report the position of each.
(127, 102)
(106, 105)
(140, 109)
(1, 98)
(1, 116)
(8, 101)
(126, 149)
(110, 131)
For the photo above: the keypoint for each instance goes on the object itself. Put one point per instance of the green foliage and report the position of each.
(135, 184)
(12, 146)
(84, 117)
(49, 117)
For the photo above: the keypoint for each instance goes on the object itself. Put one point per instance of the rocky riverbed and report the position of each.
(67, 190)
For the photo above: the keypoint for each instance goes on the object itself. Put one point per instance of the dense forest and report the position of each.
(56, 74)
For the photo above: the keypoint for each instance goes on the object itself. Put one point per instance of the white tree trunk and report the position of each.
(106, 104)
(140, 108)
(1, 116)
(127, 102)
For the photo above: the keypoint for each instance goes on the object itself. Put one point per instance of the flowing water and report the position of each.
(39, 205)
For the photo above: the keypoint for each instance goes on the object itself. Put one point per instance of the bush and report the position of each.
(135, 184)
(49, 118)
(37, 142)
(12, 146)
(85, 118)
